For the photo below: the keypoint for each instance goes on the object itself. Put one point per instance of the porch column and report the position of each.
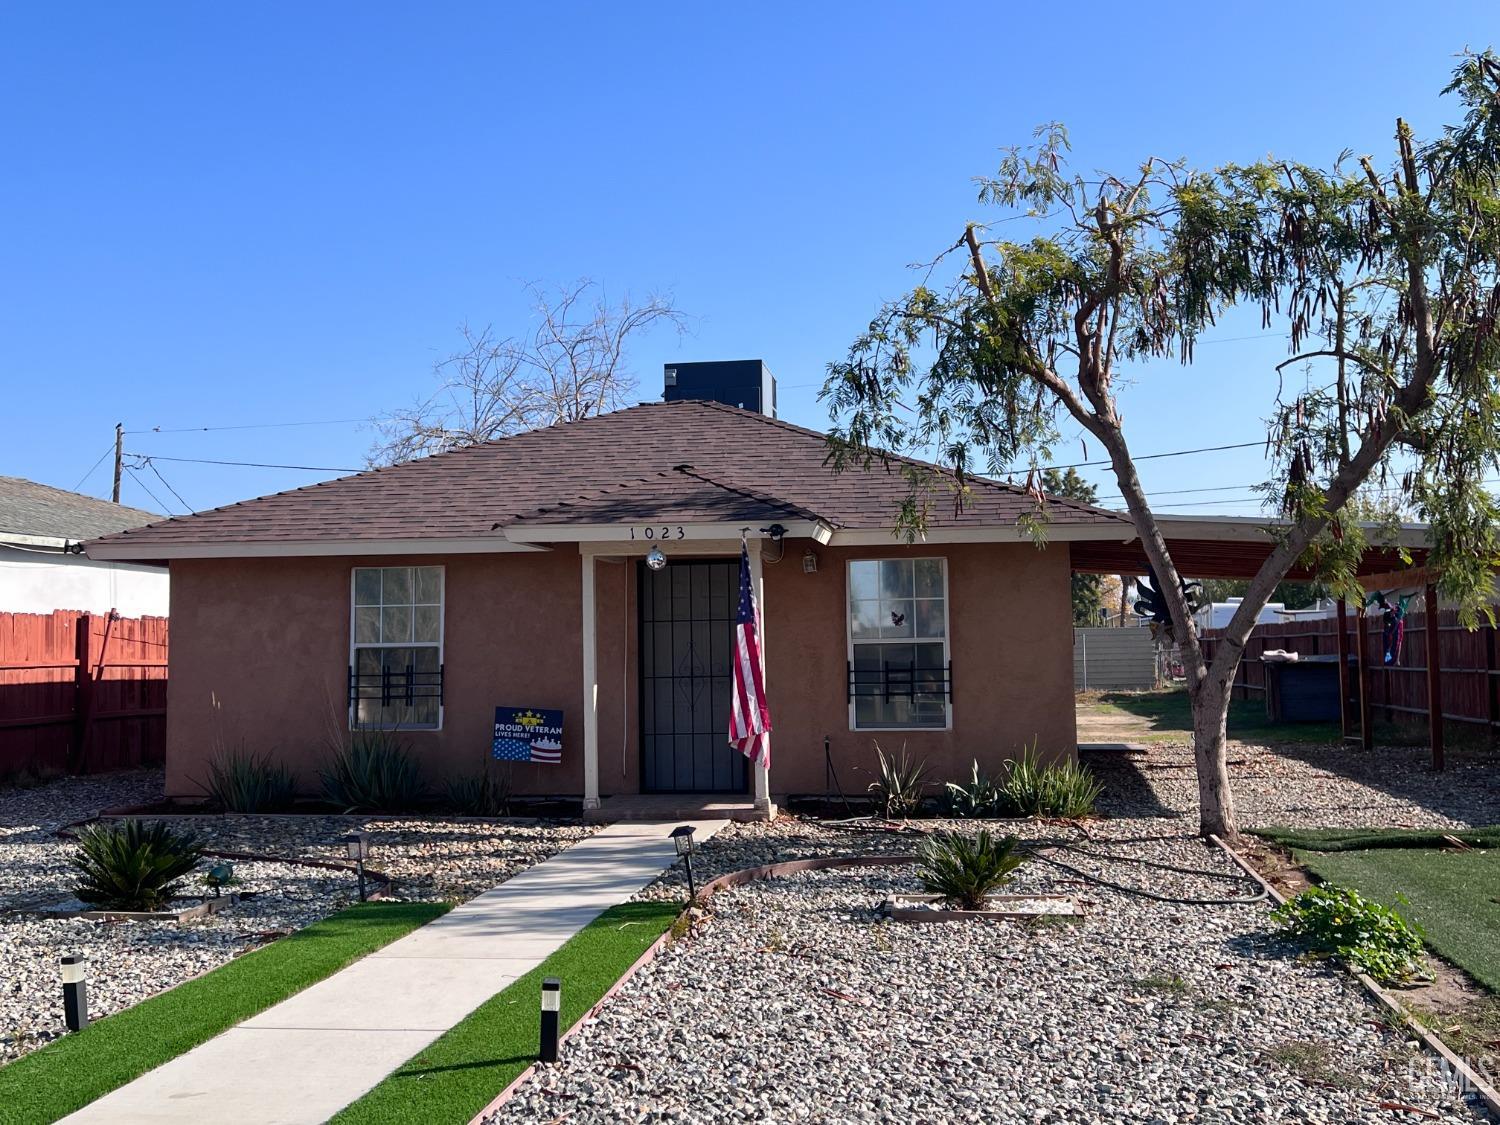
(590, 689)
(758, 585)
(1434, 675)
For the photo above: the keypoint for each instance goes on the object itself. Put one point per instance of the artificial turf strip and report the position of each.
(1454, 897)
(461, 1071)
(69, 1073)
(1364, 839)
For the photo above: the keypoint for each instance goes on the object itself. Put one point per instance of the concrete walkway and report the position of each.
(303, 1060)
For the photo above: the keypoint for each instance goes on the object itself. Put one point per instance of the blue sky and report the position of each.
(226, 215)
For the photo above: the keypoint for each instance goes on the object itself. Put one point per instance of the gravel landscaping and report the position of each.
(794, 1001)
(129, 961)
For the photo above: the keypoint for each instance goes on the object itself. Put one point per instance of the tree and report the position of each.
(572, 365)
(1387, 285)
(1088, 598)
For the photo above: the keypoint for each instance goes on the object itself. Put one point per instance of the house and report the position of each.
(591, 569)
(42, 566)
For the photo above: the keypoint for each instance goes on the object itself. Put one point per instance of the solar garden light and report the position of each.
(75, 993)
(357, 846)
(551, 1008)
(682, 837)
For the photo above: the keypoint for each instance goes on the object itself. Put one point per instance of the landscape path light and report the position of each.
(682, 837)
(75, 993)
(551, 1011)
(357, 845)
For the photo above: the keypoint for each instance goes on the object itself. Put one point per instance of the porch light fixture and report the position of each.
(682, 838)
(809, 561)
(656, 560)
(75, 993)
(551, 1008)
(357, 847)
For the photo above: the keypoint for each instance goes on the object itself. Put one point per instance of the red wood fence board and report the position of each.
(82, 692)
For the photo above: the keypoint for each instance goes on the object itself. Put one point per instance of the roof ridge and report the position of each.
(764, 498)
(665, 474)
(1005, 486)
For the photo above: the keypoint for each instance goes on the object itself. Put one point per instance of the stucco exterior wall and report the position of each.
(260, 650)
(32, 581)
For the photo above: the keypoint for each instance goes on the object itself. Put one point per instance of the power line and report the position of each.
(250, 426)
(1143, 457)
(110, 448)
(155, 499)
(148, 463)
(247, 464)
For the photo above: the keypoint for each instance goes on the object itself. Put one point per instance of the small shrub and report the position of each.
(977, 797)
(1366, 936)
(374, 772)
(243, 782)
(130, 865)
(481, 795)
(966, 870)
(1035, 788)
(900, 783)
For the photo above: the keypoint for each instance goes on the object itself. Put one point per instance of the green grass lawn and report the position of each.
(1170, 716)
(1454, 896)
(69, 1073)
(460, 1072)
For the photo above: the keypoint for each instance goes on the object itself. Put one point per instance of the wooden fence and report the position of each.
(81, 692)
(1466, 663)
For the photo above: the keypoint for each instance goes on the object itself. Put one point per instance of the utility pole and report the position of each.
(119, 459)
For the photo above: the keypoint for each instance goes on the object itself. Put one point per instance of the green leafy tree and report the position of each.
(1292, 595)
(1088, 598)
(1386, 282)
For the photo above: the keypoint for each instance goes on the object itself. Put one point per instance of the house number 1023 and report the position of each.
(663, 532)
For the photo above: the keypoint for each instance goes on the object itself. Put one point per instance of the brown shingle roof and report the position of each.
(613, 467)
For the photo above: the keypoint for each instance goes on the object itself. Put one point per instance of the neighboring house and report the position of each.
(513, 575)
(1216, 615)
(42, 565)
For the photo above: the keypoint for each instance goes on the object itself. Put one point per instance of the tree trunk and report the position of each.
(1216, 813)
(1124, 599)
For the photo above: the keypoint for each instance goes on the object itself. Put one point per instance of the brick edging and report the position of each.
(707, 891)
(1469, 1078)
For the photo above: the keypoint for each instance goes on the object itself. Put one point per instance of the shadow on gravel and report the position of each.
(1127, 792)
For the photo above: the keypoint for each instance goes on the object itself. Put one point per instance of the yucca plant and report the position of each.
(131, 865)
(244, 782)
(977, 797)
(481, 795)
(900, 783)
(966, 870)
(1033, 787)
(374, 771)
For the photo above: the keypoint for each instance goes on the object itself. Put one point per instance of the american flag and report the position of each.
(749, 717)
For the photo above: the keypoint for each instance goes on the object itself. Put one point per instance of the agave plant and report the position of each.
(481, 795)
(978, 797)
(966, 870)
(131, 865)
(243, 782)
(900, 783)
(1036, 788)
(374, 772)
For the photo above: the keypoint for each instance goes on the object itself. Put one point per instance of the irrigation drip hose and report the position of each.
(880, 824)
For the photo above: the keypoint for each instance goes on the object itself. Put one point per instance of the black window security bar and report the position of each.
(902, 681)
(396, 685)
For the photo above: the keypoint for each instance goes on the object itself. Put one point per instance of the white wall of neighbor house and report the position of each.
(35, 582)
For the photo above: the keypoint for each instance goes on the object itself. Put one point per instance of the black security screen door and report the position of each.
(686, 637)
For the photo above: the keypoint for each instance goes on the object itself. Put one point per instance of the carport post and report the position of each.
(1341, 612)
(590, 688)
(1434, 675)
(1362, 666)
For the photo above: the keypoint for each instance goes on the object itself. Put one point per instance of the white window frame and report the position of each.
(355, 646)
(947, 638)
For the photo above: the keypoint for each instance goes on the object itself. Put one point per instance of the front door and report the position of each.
(686, 637)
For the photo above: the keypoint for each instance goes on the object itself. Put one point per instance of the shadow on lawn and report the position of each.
(477, 1064)
(1170, 712)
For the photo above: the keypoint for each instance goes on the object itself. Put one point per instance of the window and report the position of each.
(898, 643)
(396, 657)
